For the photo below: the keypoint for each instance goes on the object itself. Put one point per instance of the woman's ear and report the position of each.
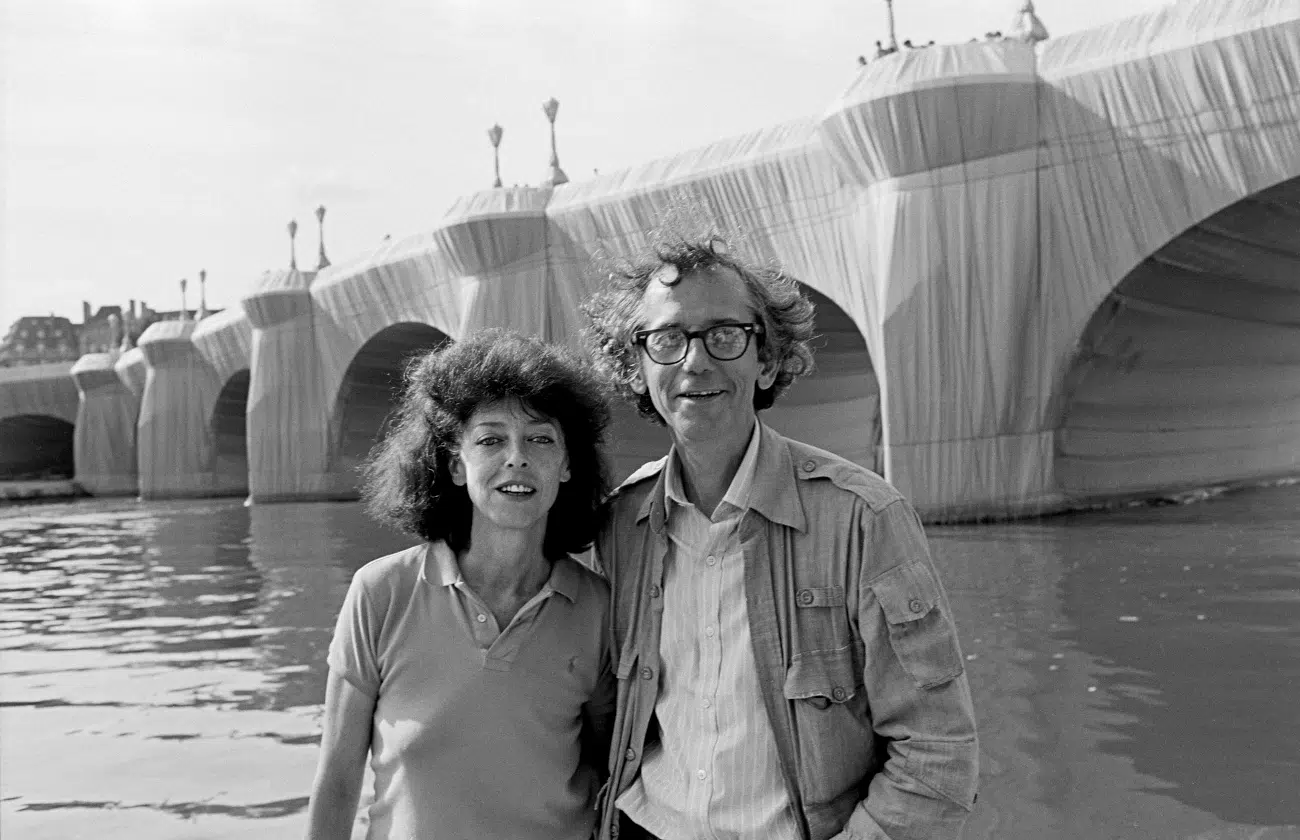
(457, 469)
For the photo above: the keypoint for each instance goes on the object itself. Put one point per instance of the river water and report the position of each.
(1135, 672)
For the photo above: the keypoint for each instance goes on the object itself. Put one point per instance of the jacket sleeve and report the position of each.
(920, 700)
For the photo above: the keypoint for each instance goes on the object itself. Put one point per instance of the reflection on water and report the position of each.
(1134, 671)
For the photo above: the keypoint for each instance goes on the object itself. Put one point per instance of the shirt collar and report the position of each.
(443, 568)
(767, 480)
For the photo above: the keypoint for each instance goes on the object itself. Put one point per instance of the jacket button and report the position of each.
(654, 591)
(647, 673)
(809, 465)
(915, 605)
(630, 755)
(805, 597)
(838, 694)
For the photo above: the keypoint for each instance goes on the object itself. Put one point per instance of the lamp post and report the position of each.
(185, 313)
(551, 107)
(893, 39)
(320, 221)
(293, 257)
(494, 134)
(203, 294)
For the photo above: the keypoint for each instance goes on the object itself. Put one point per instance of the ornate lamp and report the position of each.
(185, 313)
(320, 221)
(203, 294)
(551, 107)
(494, 134)
(293, 257)
(893, 39)
(1027, 27)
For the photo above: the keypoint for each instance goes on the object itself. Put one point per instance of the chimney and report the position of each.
(85, 312)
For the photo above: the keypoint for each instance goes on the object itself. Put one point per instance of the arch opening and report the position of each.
(229, 427)
(837, 408)
(370, 392)
(1188, 374)
(37, 448)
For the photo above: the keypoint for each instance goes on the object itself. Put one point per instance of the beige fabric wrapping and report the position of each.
(287, 421)
(1046, 275)
(35, 403)
(174, 433)
(224, 340)
(104, 439)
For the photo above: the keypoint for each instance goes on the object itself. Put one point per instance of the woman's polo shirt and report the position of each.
(476, 730)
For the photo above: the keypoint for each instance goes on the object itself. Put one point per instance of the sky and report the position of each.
(144, 140)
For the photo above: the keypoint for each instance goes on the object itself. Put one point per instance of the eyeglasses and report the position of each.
(724, 342)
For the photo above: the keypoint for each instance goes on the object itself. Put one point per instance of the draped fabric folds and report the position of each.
(1047, 276)
(104, 439)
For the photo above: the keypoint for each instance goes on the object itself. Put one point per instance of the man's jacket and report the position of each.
(857, 656)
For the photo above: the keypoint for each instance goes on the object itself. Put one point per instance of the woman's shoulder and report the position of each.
(398, 570)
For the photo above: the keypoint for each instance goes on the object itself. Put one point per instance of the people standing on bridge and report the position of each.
(474, 668)
(786, 658)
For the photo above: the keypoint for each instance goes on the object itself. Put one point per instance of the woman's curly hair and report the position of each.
(408, 481)
(613, 315)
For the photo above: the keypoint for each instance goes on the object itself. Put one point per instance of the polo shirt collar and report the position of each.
(443, 569)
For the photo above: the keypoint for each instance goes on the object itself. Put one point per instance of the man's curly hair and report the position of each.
(613, 315)
(408, 481)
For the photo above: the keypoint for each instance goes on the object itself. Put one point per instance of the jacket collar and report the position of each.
(774, 492)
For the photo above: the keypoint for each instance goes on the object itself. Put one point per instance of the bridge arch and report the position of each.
(229, 428)
(37, 446)
(369, 393)
(1188, 373)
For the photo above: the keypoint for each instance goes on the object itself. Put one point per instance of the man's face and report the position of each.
(704, 401)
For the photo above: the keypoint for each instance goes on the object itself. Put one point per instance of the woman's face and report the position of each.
(512, 464)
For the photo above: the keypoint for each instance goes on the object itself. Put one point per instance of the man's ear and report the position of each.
(767, 374)
(638, 382)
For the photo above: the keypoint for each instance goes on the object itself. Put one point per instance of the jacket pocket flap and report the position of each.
(822, 673)
(824, 596)
(907, 592)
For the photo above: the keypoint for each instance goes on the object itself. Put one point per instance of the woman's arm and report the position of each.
(349, 714)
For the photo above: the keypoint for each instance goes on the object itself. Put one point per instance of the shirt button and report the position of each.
(700, 775)
(480, 618)
(838, 694)
(654, 591)
(915, 605)
(708, 631)
(708, 704)
(711, 560)
(647, 673)
(630, 754)
(806, 597)
(809, 465)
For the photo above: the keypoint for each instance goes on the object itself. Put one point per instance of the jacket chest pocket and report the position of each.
(821, 618)
(922, 637)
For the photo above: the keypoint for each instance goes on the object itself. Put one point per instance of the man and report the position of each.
(787, 662)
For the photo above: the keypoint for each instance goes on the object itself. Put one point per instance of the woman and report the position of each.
(474, 668)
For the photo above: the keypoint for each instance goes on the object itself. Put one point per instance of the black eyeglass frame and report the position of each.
(750, 330)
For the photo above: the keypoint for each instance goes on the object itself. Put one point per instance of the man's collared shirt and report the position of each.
(715, 773)
(843, 604)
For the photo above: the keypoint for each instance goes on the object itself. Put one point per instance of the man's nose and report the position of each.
(697, 356)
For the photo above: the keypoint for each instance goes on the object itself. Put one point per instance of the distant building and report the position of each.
(38, 340)
(99, 334)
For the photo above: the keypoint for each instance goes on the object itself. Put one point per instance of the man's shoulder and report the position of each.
(631, 492)
(812, 464)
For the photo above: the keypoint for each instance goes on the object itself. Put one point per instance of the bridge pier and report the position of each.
(104, 439)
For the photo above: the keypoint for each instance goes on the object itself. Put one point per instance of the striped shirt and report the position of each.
(715, 772)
